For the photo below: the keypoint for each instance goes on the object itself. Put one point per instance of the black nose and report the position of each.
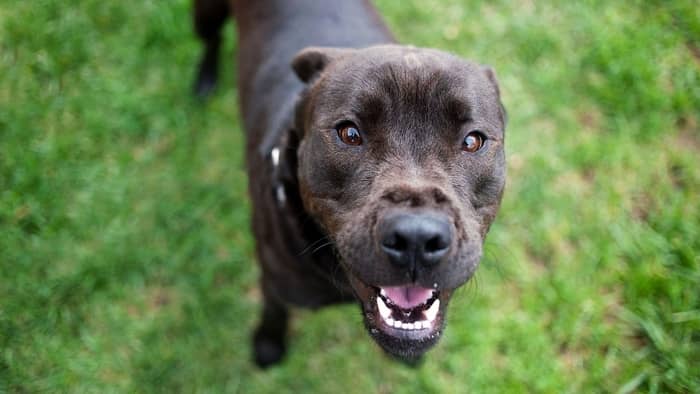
(411, 239)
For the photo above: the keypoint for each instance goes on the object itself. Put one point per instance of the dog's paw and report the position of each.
(267, 350)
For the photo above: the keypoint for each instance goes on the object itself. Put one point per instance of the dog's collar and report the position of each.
(278, 186)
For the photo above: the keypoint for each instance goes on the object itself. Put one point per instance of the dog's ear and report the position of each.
(309, 62)
(491, 75)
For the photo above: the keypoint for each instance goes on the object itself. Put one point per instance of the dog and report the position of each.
(375, 169)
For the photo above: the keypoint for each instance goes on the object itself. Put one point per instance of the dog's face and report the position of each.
(401, 162)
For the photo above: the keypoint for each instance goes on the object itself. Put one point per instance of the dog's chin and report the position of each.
(408, 324)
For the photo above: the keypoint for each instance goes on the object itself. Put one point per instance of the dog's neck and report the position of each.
(281, 151)
(303, 232)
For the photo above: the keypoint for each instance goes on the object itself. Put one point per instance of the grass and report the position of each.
(126, 263)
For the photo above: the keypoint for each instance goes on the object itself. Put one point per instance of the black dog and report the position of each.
(375, 169)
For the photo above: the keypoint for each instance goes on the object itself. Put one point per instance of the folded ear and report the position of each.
(309, 62)
(491, 75)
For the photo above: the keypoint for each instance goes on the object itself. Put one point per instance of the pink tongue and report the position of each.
(408, 297)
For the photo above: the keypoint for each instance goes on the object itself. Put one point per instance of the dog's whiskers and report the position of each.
(334, 275)
(321, 247)
(313, 244)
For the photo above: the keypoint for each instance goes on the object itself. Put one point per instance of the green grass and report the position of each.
(126, 263)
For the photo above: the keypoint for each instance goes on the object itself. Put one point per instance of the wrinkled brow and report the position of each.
(369, 105)
(457, 108)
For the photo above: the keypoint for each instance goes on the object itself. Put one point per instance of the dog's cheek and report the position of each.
(326, 167)
(467, 264)
(467, 256)
(482, 188)
(355, 242)
(489, 191)
(324, 174)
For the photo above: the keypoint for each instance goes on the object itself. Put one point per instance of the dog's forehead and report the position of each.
(409, 55)
(390, 74)
(375, 64)
(410, 58)
(397, 69)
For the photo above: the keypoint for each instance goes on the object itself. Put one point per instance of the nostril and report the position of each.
(435, 244)
(395, 242)
(396, 248)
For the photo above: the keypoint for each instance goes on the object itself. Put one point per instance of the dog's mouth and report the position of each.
(404, 320)
(407, 308)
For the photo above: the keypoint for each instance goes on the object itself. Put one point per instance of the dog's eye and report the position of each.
(473, 142)
(349, 134)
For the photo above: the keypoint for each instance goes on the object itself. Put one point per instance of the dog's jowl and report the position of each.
(375, 169)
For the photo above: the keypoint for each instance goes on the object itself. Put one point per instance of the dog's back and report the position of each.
(270, 33)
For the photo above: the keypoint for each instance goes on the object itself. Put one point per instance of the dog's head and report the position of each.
(401, 162)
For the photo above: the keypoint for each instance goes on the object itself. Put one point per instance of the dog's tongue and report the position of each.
(408, 297)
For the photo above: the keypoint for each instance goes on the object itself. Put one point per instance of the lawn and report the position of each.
(127, 264)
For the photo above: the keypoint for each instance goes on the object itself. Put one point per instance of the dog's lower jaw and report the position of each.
(409, 351)
(404, 343)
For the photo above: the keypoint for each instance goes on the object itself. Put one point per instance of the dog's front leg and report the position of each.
(270, 336)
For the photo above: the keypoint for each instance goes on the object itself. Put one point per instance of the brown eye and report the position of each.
(473, 142)
(349, 134)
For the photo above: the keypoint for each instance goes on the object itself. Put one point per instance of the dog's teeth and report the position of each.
(431, 313)
(383, 308)
(382, 292)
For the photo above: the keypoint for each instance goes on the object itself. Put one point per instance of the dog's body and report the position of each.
(417, 235)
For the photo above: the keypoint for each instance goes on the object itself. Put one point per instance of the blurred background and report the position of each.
(127, 265)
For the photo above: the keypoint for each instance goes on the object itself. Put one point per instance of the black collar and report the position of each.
(277, 185)
(282, 157)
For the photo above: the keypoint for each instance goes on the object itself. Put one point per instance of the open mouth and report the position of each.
(405, 320)
(408, 308)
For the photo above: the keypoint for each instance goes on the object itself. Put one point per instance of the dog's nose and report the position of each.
(412, 239)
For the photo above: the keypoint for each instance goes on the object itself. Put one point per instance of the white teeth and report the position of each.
(432, 312)
(419, 325)
(382, 292)
(429, 316)
(383, 309)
